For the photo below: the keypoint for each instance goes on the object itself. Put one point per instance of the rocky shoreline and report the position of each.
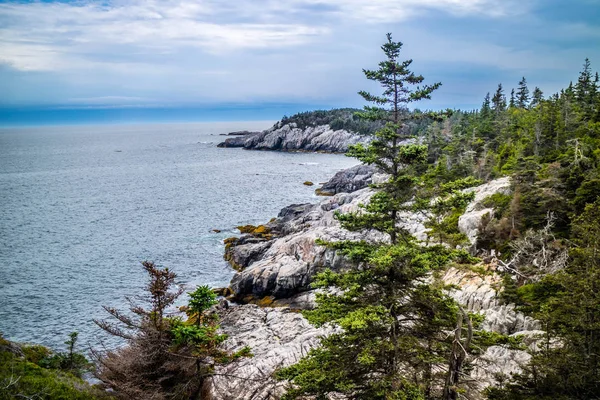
(289, 137)
(277, 261)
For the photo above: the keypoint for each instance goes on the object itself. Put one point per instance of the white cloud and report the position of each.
(398, 10)
(58, 36)
(188, 52)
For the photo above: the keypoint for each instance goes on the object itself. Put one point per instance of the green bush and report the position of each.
(21, 378)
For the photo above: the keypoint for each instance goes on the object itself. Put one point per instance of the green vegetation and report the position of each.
(165, 357)
(348, 119)
(35, 372)
(567, 302)
(393, 320)
(400, 336)
(544, 234)
(339, 118)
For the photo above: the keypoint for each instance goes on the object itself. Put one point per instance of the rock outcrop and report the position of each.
(281, 268)
(277, 338)
(348, 180)
(468, 223)
(288, 137)
(284, 265)
(478, 293)
(288, 262)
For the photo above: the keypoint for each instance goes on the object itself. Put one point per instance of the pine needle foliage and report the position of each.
(166, 357)
(390, 317)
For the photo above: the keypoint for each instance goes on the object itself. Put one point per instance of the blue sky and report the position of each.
(259, 59)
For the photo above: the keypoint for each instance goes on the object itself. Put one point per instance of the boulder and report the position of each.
(348, 180)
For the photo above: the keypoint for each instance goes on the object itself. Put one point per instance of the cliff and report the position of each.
(275, 272)
(290, 137)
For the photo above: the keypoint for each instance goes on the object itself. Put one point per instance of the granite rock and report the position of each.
(288, 137)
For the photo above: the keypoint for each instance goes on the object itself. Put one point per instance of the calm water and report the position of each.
(80, 207)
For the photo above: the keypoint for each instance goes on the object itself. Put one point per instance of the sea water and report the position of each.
(82, 206)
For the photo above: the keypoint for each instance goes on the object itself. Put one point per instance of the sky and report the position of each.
(153, 60)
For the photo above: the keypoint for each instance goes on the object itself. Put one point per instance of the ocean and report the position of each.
(82, 206)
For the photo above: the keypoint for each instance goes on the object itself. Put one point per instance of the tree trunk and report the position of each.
(457, 356)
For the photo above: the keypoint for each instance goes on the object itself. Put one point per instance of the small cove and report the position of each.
(82, 206)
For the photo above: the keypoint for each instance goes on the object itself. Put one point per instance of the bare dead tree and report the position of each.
(536, 254)
(459, 353)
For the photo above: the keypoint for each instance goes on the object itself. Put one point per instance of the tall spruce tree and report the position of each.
(522, 94)
(486, 110)
(499, 100)
(512, 103)
(536, 97)
(391, 317)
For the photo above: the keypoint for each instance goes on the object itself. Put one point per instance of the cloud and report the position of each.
(128, 52)
(50, 36)
(399, 10)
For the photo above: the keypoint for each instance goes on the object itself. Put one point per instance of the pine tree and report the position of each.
(499, 100)
(485, 107)
(522, 94)
(537, 97)
(391, 319)
(165, 357)
(512, 103)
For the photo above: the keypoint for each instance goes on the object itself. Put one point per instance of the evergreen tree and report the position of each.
(389, 152)
(512, 103)
(586, 90)
(537, 97)
(485, 107)
(499, 100)
(567, 362)
(584, 83)
(391, 319)
(165, 357)
(522, 94)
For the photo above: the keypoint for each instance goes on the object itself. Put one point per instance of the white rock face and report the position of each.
(284, 267)
(478, 294)
(289, 137)
(286, 264)
(277, 337)
(468, 223)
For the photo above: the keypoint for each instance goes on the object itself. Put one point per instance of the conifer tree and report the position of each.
(566, 365)
(512, 103)
(537, 97)
(165, 357)
(391, 319)
(499, 100)
(485, 107)
(522, 94)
